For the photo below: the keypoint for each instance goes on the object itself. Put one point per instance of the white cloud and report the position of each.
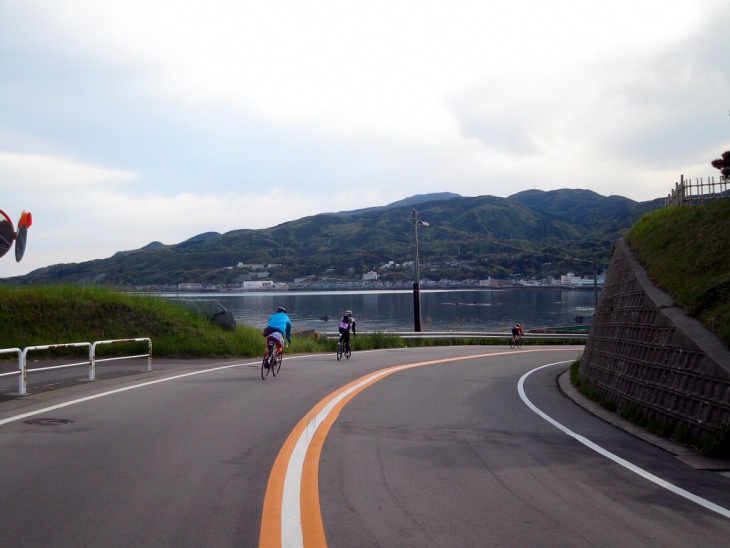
(381, 67)
(29, 173)
(128, 121)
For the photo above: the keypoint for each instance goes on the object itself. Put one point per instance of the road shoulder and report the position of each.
(686, 454)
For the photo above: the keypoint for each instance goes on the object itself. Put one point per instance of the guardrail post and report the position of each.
(23, 372)
(19, 352)
(92, 362)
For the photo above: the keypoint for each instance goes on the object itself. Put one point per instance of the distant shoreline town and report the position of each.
(370, 281)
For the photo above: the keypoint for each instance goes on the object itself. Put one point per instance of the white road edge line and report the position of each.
(615, 458)
(116, 391)
(132, 387)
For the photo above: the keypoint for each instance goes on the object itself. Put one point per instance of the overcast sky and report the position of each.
(124, 122)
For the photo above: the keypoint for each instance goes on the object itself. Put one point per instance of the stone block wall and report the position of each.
(645, 352)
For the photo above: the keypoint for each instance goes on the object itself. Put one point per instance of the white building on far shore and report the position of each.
(190, 286)
(258, 284)
(571, 280)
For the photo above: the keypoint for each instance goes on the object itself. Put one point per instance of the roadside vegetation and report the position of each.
(687, 253)
(60, 314)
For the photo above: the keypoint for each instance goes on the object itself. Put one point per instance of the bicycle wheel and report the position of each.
(519, 343)
(265, 365)
(348, 352)
(512, 342)
(276, 366)
(339, 351)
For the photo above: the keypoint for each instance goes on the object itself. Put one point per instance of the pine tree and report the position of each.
(723, 164)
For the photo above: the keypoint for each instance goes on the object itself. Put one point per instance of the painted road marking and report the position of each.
(115, 391)
(132, 387)
(615, 458)
(291, 515)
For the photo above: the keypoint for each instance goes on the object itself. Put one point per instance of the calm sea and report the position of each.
(441, 310)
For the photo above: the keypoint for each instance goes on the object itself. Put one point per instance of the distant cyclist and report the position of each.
(347, 324)
(279, 327)
(517, 333)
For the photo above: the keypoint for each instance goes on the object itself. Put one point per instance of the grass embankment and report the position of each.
(686, 251)
(62, 314)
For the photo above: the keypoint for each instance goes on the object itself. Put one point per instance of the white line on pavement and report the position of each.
(615, 458)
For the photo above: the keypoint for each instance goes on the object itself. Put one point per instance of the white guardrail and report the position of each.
(23, 370)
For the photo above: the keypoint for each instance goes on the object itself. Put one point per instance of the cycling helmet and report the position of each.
(281, 309)
(348, 312)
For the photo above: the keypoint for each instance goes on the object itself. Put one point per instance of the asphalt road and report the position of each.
(452, 446)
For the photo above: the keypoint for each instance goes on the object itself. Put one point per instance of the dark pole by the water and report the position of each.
(417, 280)
(595, 286)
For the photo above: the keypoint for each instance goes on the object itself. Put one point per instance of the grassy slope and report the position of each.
(45, 315)
(687, 253)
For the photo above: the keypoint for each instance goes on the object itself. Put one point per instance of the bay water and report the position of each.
(483, 310)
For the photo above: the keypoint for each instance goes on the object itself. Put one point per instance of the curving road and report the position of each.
(451, 446)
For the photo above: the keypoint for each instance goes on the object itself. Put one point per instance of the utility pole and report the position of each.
(417, 280)
(595, 286)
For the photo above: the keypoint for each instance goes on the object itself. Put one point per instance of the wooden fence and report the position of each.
(687, 193)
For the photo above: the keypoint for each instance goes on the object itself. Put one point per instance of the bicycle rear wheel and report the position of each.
(265, 365)
(339, 351)
(276, 366)
(348, 351)
(512, 342)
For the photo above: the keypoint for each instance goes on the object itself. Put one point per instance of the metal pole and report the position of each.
(417, 281)
(595, 286)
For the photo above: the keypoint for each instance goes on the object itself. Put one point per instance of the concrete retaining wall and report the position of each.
(645, 352)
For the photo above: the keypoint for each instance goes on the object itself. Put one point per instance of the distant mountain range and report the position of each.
(406, 202)
(529, 234)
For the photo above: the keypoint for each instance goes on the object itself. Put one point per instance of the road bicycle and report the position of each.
(271, 362)
(343, 349)
(515, 341)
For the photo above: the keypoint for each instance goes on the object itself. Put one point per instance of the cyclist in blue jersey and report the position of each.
(279, 327)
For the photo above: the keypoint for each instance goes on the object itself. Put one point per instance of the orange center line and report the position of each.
(291, 514)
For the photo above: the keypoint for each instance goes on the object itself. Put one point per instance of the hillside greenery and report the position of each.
(530, 234)
(687, 253)
(60, 314)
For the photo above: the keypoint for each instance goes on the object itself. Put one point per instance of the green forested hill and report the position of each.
(533, 233)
